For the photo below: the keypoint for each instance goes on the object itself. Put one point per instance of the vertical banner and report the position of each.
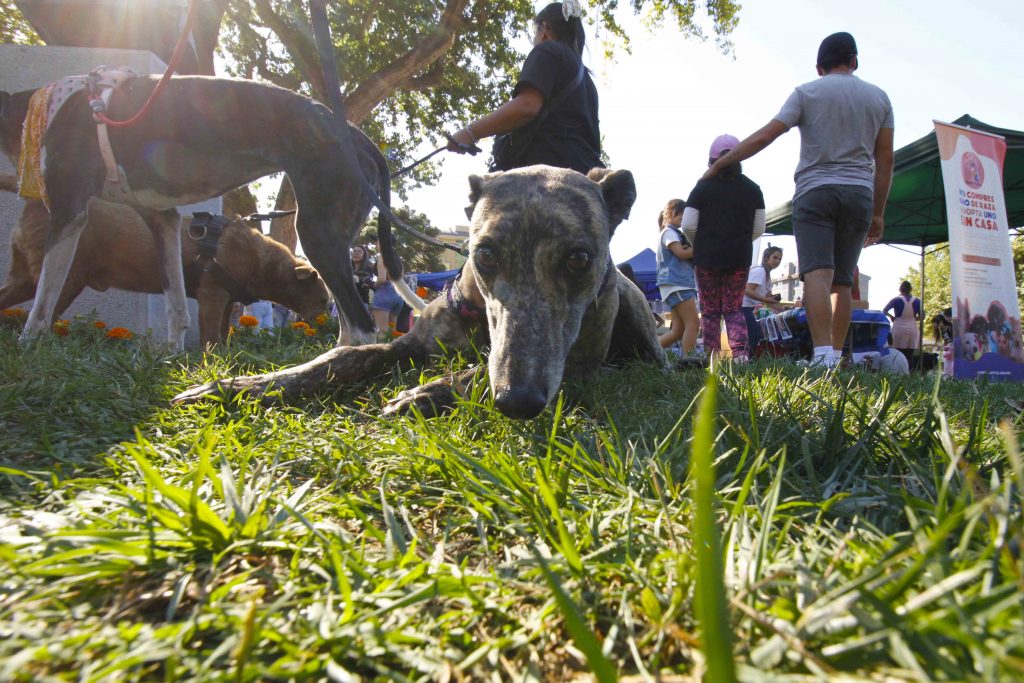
(986, 313)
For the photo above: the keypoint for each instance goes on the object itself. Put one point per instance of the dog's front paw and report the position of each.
(433, 399)
(223, 388)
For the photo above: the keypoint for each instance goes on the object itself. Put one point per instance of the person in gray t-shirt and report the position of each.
(842, 183)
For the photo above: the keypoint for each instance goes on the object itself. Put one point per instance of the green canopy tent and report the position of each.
(916, 211)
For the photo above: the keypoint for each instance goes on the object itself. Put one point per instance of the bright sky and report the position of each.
(663, 105)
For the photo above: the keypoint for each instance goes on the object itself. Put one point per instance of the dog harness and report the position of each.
(43, 107)
(206, 229)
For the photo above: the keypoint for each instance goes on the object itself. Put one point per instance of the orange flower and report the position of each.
(309, 332)
(119, 333)
(61, 328)
(300, 325)
(248, 321)
(322, 319)
(14, 313)
(99, 324)
(421, 292)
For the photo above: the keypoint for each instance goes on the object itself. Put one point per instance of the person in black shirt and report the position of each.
(723, 215)
(552, 116)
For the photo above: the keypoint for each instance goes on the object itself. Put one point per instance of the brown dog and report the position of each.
(117, 250)
(539, 287)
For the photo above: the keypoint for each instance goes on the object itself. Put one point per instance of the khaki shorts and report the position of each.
(830, 223)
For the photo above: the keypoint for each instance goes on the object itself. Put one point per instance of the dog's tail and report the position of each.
(8, 182)
(409, 296)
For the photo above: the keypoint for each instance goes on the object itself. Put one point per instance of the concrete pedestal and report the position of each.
(25, 67)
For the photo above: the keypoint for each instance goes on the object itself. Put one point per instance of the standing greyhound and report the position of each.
(202, 137)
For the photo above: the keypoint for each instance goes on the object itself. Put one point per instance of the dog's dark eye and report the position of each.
(485, 258)
(579, 261)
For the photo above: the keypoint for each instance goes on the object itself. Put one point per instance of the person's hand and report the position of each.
(462, 142)
(876, 231)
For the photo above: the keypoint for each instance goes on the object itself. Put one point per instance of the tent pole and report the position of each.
(920, 323)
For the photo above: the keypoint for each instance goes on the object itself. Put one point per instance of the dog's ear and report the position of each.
(304, 271)
(619, 192)
(476, 188)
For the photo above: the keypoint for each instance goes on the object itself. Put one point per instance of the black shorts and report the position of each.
(830, 224)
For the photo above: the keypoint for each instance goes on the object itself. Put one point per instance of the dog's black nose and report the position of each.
(520, 403)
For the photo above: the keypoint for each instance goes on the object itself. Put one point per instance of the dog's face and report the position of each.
(539, 256)
(970, 346)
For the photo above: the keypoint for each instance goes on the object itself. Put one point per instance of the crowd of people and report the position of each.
(842, 184)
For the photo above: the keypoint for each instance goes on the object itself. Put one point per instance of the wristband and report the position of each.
(472, 135)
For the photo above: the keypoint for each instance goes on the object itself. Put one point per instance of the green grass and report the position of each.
(867, 528)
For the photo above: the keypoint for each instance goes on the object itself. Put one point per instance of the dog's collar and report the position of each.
(459, 304)
(206, 229)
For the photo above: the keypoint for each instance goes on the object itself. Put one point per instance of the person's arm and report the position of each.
(888, 307)
(748, 147)
(760, 224)
(753, 292)
(689, 223)
(681, 251)
(884, 157)
(515, 113)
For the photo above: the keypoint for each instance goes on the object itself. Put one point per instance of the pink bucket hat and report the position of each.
(721, 145)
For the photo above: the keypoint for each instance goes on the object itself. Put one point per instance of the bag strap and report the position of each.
(560, 97)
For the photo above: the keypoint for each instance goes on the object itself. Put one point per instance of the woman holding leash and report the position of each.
(552, 116)
(676, 279)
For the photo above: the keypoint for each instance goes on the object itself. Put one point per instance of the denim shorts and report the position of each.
(830, 223)
(679, 296)
(385, 298)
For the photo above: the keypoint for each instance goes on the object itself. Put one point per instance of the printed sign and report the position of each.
(986, 314)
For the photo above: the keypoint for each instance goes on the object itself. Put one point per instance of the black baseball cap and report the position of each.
(837, 49)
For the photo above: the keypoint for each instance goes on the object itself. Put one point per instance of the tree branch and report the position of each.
(299, 46)
(402, 72)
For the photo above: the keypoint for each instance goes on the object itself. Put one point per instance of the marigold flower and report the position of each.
(14, 313)
(309, 332)
(300, 325)
(248, 321)
(119, 333)
(322, 319)
(99, 324)
(62, 328)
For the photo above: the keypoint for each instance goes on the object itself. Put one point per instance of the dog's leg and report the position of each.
(166, 236)
(60, 252)
(214, 314)
(327, 223)
(438, 329)
(20, 285)
(337, 367)
(433, 398)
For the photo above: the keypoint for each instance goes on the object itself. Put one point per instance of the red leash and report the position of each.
(179, 50)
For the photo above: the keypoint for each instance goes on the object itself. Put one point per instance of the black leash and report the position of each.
(470, 149)
(332, 84)
(269, 216)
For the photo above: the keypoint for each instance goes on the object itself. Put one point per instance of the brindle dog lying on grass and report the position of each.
(539, 284)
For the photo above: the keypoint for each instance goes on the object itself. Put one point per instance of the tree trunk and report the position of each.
(283, 229)
(238, 203)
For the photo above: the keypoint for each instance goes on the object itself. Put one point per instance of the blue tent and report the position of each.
(435, 281)
(645, 270)
(644, 264)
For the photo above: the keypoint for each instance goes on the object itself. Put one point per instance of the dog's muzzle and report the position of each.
(521, 402)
